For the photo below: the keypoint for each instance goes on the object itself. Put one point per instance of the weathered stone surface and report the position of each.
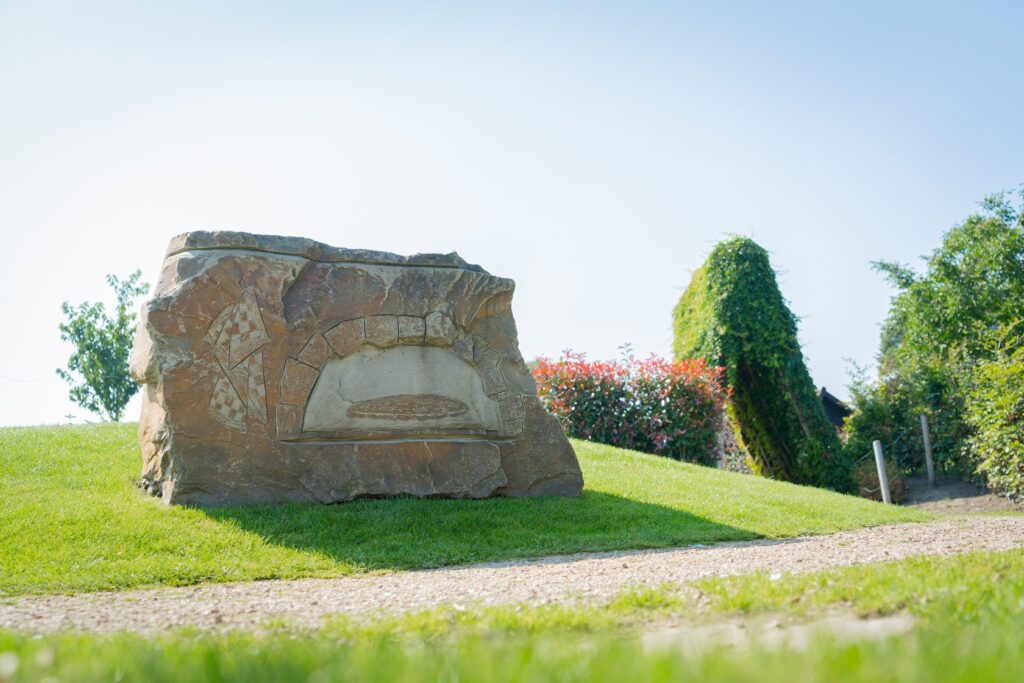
(279, 368)
(316, 351)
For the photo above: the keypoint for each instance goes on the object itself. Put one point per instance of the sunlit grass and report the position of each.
(71, 519)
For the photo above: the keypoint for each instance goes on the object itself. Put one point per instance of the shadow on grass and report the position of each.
(406, 533)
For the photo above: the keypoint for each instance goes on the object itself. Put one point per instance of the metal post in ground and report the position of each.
(883, 476)
(928, 449)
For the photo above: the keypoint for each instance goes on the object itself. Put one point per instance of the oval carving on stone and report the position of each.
(408, 407)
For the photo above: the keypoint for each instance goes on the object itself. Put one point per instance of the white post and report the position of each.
(883, 476)
(928, 449)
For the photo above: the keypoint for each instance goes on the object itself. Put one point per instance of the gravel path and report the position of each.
(597, 577)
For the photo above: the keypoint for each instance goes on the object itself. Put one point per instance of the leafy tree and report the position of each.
(98, 369)
(973, 284)
(941, 328)
(733, 315)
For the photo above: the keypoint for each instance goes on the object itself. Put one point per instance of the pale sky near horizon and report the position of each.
(593, 152)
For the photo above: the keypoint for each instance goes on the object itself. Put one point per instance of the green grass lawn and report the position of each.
(71, 519)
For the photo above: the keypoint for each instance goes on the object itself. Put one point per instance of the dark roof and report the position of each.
(835, 409)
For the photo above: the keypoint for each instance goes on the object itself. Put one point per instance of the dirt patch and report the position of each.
(952, 495)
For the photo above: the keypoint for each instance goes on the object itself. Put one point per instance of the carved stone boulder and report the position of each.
(279, 368)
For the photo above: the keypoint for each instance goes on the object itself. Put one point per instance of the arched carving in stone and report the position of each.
(396, 376)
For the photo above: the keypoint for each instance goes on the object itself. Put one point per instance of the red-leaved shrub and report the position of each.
(652, 405)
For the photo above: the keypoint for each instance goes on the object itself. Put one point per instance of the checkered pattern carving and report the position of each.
(239, 394)
(226, 406)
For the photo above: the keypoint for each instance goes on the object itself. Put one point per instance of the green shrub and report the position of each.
(733, 315)
(887, 411)
(882, 412)
(865, 475)
(996, 413)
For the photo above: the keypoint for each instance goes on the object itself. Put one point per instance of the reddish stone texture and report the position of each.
(289, 421)
(382, 330)
(411, 329)
(347, 336)
(297, 382)
(316, 351)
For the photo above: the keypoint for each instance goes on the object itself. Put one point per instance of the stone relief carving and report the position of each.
(409, 407)
(324, 414)
(240, 392)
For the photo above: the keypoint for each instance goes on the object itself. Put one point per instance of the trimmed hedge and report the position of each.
(733, 315)
(653, 406)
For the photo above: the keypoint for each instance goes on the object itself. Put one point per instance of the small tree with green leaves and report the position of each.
(98, 369)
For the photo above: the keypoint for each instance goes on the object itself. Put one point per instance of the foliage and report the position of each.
(996, 414)
(651, 406)
(941, 327)
(973, 284)
(109, 535)
(889, 411)
(98, 369)
(733, 315)
(883, 412)
(865, 475)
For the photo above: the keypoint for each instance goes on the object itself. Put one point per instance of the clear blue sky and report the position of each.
(593, 152)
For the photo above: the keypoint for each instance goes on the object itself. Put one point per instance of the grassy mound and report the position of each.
(71, 519)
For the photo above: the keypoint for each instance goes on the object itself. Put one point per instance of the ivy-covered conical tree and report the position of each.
(733, 315)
